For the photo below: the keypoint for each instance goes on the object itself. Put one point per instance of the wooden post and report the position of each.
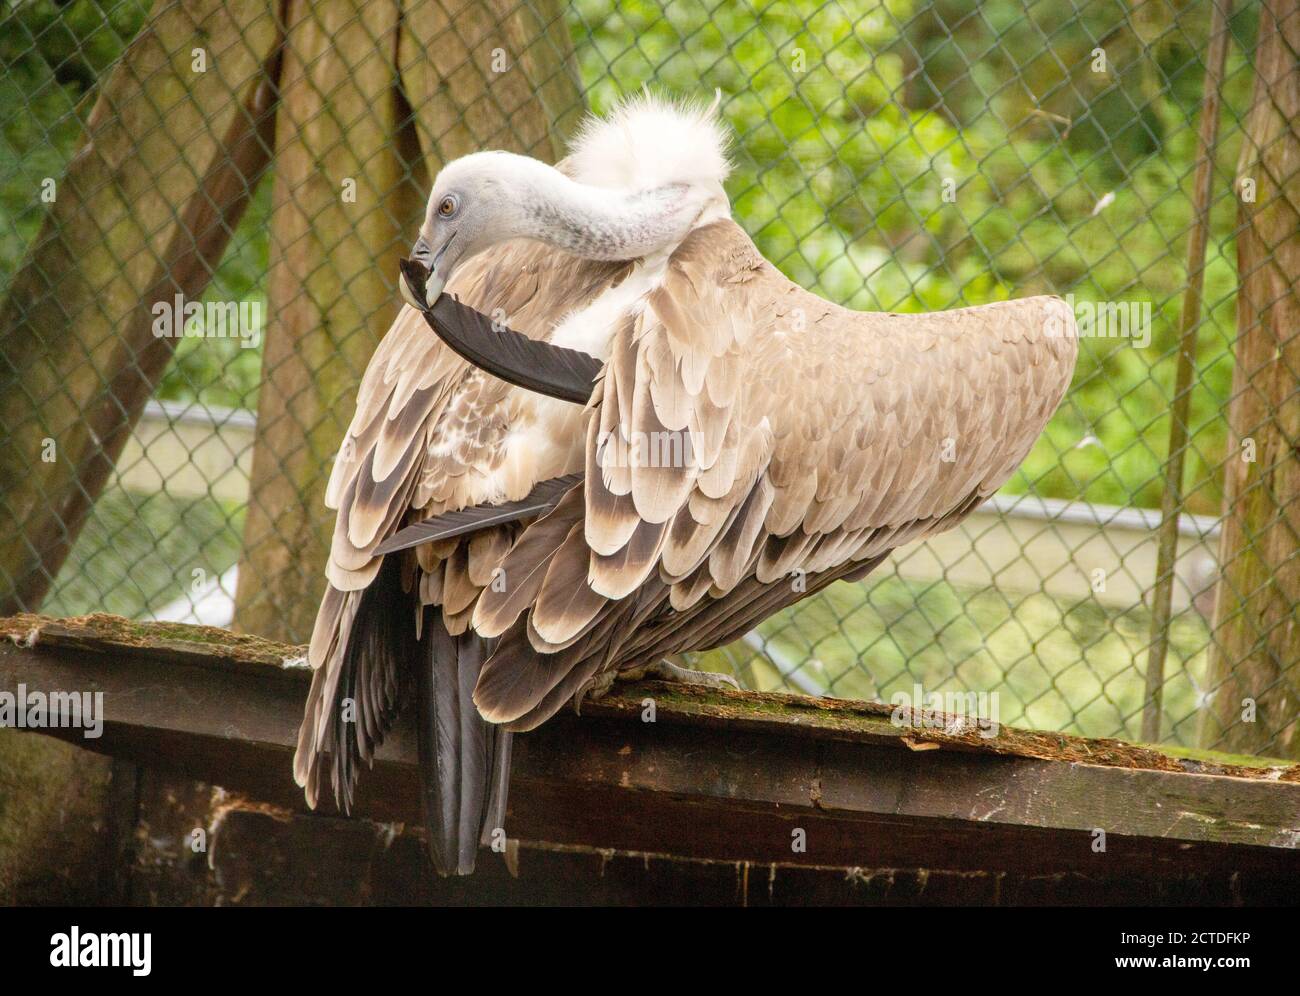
(1171, 505)
(375, 96)
(170, 159)
(1255, 664)
(171, 156)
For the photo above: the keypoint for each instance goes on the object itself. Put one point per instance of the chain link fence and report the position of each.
(266, 165)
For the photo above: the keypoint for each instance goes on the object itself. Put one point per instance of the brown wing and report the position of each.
(798, 436)
(426, 438)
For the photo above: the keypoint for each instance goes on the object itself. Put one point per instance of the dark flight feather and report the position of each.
(374, 676)
(538, 502)
(464, 761)
(567, 374)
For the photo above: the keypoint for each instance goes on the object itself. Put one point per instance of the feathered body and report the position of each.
(805, 441)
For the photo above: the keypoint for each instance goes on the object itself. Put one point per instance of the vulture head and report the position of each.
(619, 195)
(470, 209)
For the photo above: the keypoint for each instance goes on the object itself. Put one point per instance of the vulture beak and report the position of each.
(412, 283)
(422, 254)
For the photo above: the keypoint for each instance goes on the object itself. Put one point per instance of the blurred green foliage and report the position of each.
(849, 118)
(51, 55)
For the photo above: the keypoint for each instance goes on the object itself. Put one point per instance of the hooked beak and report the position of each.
(423, 254)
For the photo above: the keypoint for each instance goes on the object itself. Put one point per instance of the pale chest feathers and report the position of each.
(592, 327)
(533, 437)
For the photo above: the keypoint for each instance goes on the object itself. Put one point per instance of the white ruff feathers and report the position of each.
(649, 141)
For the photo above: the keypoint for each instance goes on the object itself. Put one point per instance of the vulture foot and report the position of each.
(663, 670)
(666, 670)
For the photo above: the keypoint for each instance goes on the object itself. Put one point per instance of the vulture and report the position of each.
(604, 431)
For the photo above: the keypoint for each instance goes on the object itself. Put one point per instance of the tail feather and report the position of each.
(475, 753)
(464, 760)
(495, 819)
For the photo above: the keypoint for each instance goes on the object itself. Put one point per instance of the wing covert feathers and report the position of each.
(744, 430)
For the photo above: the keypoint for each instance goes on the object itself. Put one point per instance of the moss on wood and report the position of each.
(794, 715)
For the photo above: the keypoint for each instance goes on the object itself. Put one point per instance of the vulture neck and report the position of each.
(601, 223)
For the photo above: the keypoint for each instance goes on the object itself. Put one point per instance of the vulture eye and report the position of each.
(448, 205)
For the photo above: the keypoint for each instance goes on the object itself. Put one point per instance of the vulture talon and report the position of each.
(596, 687)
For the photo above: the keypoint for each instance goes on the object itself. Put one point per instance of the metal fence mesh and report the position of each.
(892, 155)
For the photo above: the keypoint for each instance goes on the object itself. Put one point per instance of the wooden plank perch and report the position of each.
(716, 774)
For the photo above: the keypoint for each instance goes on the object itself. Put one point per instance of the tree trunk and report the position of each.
(378, 96)
(1255, 664)
(169, 162)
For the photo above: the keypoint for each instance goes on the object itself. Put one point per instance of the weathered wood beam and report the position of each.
(1254, 673)
(719, 775)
